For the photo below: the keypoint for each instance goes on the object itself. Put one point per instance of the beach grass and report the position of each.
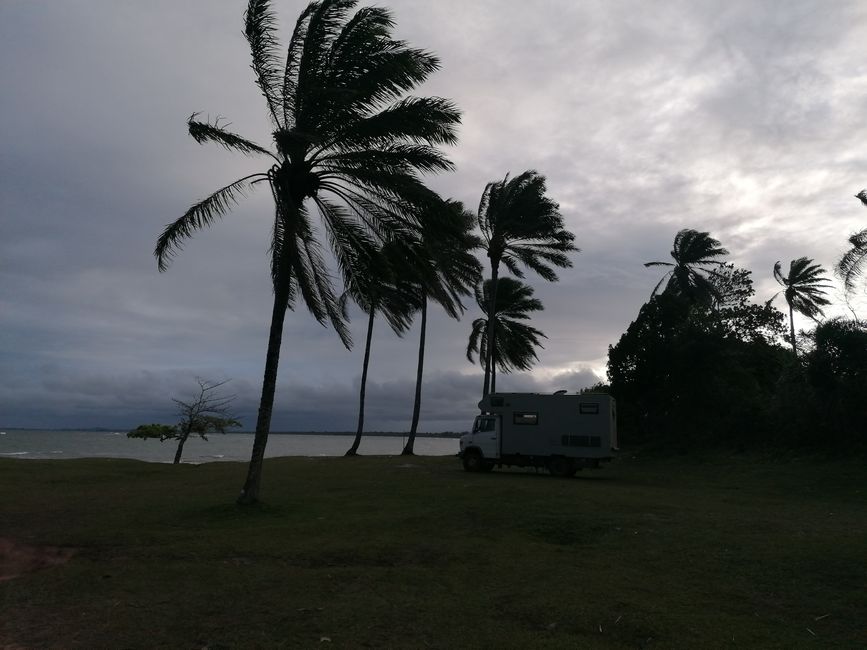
(710, 551)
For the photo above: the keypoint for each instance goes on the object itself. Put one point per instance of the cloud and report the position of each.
(745, 119)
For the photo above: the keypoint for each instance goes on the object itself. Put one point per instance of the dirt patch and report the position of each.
(17, 558)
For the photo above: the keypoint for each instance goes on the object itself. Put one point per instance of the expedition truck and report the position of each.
(561, 432)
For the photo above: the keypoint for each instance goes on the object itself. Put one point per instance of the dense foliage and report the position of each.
(690, 374)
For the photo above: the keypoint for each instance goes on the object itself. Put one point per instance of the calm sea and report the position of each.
(231, 446)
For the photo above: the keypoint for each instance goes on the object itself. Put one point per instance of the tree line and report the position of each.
(702, 364)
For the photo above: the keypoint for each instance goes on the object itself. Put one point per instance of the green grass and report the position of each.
(649, 552)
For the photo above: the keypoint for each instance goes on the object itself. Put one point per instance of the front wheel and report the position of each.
(473, 461)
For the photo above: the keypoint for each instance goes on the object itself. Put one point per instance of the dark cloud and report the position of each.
(745, 119)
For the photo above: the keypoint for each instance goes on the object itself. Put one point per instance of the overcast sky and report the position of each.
(746, 119)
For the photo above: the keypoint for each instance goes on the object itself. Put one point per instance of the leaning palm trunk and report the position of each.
(353, 450)
(493, 369)
(250, 491)
(792, 329)
(492, 309)
(416, 408)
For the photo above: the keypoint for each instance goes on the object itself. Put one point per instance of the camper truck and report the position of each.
(561, 432)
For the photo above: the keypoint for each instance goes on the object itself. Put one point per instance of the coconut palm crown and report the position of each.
(805, 289)
(346, 141)
(522, 227)
(693, 253)
(515, 342)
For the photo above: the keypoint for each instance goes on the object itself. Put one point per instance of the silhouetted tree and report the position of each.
(521, 226)
(515, 342)
(377, 287)
(684, 375)
(346, 140)
(443, 270)
(694, 253)
(209, 411)
(837, 374)
(805, 289)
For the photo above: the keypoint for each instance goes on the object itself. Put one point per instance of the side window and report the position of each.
(487, 424)
(525, 418)
(589, 408)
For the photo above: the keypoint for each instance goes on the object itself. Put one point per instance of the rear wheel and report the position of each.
(473, 461)
(559, 466)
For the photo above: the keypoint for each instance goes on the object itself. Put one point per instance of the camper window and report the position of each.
(526, 418)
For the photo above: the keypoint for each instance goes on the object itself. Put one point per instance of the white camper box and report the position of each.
(560, 432)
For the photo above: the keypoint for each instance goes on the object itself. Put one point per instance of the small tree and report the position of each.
(208, 412)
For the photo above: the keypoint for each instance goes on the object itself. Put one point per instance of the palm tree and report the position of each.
(520, 224)
(693, 252)
(853, 264)
(346, 140)
(376, 287)
(805, 289)
(515, 342)
(444, 269)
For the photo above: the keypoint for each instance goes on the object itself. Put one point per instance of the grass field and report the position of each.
(649, 552)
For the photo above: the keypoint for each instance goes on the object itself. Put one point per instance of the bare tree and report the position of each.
(208, 412)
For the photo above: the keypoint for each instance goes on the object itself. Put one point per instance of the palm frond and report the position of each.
(325, 304)
(203, 132)
(426, 120)
(289, 91)
(200, 215)
(853, 265)
(260, 26)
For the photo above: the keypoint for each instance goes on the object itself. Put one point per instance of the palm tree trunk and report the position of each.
(792, 329)
(493, 373)
(416, 407)
(491, 311)
(353, 450)
(250, 491)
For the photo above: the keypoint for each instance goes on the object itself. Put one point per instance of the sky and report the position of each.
(745, 119)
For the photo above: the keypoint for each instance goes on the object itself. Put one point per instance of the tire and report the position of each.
(473, 461)
(562, 467)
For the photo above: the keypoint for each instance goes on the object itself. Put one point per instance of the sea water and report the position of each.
(219, 447)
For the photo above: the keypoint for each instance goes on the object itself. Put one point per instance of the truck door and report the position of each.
(487, 436)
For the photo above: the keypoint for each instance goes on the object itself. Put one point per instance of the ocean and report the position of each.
(26, 444)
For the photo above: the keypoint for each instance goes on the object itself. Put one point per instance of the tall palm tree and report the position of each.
(377, 287)
(346, 140)
(694, 253)
(444, 270)
(853, 265)
(520, 224)
(805, 289)
(515, 342)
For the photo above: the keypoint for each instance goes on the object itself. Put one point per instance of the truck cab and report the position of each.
(481, 446)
